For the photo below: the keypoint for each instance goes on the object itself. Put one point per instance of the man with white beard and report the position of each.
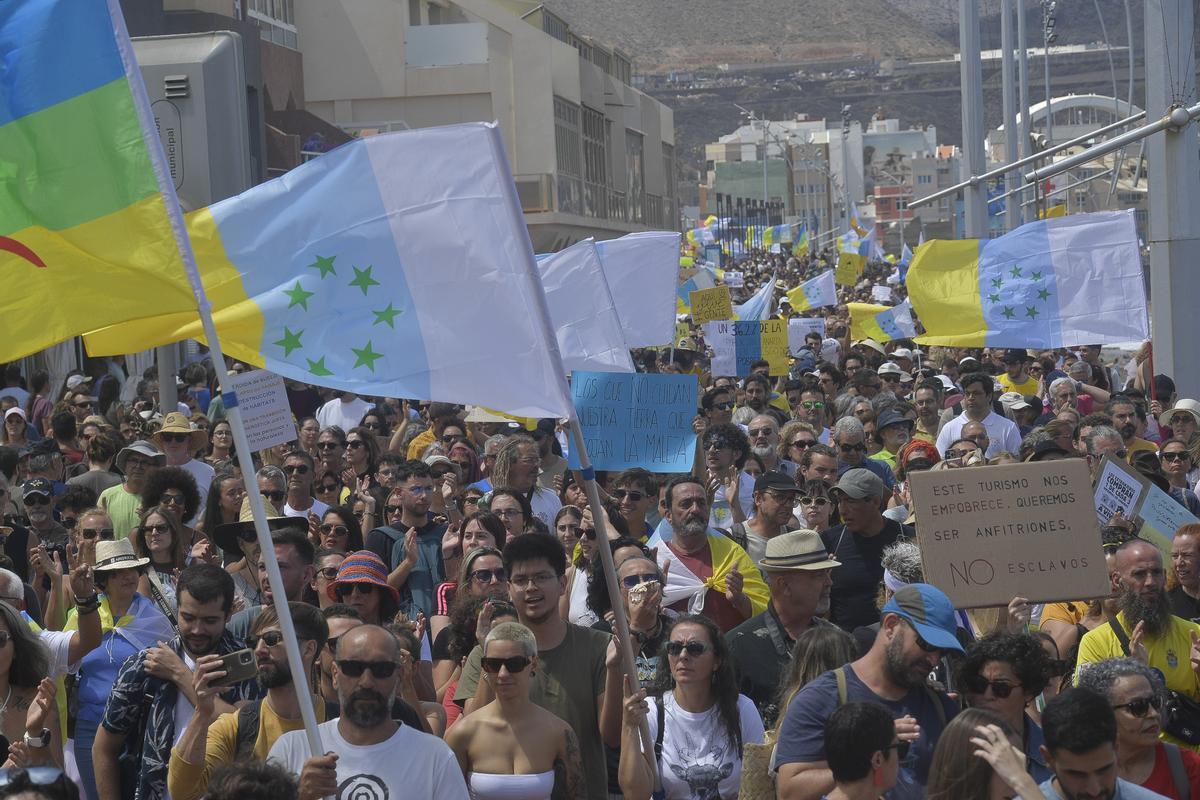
(763, 431)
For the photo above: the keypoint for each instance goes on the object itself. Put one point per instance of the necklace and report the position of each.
(7, 697)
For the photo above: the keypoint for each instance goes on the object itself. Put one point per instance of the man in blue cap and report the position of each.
(917, 628)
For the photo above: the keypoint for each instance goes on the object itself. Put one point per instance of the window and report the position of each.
(276, 21)
(924, 179)
(635, 173)
(554, 26)
(595, 164)
(568, 157)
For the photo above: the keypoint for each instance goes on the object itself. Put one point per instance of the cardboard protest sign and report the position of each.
(262, 397)
(881, 294)
(636, 420)
(734, 279)
(737, 345)
(799, 327)
(711, 304)
(1122, 488)
(1029, 530)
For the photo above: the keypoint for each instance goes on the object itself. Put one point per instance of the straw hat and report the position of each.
(226, 535)
(178, 423)
(361, 567)
(117, 554)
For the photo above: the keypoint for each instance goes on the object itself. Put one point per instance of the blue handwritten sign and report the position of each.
(635, 420)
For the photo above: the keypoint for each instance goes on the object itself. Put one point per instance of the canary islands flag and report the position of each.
(800, 246)
(814, 293)
(85, 240)
(881, 323)
(396, 265)
(1052, 283)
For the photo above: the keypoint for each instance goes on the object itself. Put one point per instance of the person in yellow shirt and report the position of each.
(210, 740)
(1127, 418)
(440, 415)
(1145, 627)
(1016, 377)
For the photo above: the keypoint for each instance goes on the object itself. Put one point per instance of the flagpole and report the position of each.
(300, 679)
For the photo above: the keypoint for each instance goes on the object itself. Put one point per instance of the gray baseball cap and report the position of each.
(860, 483)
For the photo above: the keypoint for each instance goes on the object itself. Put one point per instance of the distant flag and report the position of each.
(814, 293)
(905, 260)
(701, 236)
(800, 245)
(776, 234)
(921, 237)
(85, 240)
(353, 303)
(855, 222)
(850, 259)
(703, 279)
(881, 323)
(760, 306)
(1052, 283)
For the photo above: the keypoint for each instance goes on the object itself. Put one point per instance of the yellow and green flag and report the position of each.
(84, 231)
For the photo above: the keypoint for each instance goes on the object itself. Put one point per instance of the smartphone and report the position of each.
(238, 666)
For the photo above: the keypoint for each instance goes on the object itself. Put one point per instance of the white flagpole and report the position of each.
(300, 679)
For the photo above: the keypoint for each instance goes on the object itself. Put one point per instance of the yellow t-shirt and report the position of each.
(1169, 653)
(1071, 613)
(1030, 386)
(1138, 446)
(187, 781)
(419, 443)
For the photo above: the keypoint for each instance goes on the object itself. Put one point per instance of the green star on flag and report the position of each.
(1008, 312)
(366, 356)
(996, 282)
(995, 298)
(1016, 271)
(387, 315)
(325, 265)
(298, 296)
(1031, 312)
(318, 367)
(290, 341)
(363, 279)
(1037, 276)
(1043, 294)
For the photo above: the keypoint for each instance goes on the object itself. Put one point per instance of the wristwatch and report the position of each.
(38, 741)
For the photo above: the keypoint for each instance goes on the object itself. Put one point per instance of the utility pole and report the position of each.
(1012, 205)
(1023, 143)
(846, 165)
(1048, 37)
(1174, 180)
(971, 83)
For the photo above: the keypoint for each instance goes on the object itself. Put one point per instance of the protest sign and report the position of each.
(262, 397)
(882, 294)
(734, 279)
(1028, 530)
(711, 304)
(712, 254)
(636, 420)
(1119, 489)
(737, 345)
(682, 331)
(799, 327)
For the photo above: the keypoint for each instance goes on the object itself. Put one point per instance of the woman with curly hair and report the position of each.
(175, 490)
(1003, 673)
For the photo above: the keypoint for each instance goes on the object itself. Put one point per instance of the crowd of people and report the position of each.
(443, 573)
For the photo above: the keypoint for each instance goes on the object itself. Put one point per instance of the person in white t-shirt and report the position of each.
(345, 411)
(300, 469)
(369, 754)
(180, 442)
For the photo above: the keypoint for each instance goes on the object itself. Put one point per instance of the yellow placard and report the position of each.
(711, 305)
(775, 346)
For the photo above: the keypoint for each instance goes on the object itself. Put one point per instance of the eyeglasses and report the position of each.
(274, 495)
(337, 530)
(173, 437)
(853, 448)
(1140, 707)
(977, 684)
(959, 452)
(157, 528)
(508, 513)
(1180, 419)
(1175, 455)
(352, 668)
(328, 573)
(390, 510)
(812, 404)
(631, 496)
(756, 432)
(814, 501)
(901, 749)
(523, 581)
(355, 588)
(630, 581)
(803, 444)
(171, 500)
(354, 444)
(726, 406)
(108, 534)
(693, 648)
(486, 575)
(296, 469)
(270, 639)
(328, 445)
(513, 664)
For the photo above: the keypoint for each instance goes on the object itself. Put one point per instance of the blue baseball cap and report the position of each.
(929, 611)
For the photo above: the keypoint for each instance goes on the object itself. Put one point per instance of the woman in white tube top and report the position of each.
(508, 748)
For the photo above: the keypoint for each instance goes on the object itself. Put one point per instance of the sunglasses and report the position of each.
(352, 668)
(338, 530)
(80, 405)
(812, 404)
(171, 500)
(329, 487)
(694, 649)
(356, 588)
(1180, 419)
(977, 684)
(513, 664)
(69, 522)
(718, 444)
(924, 645)
(36, 499)
(814, 501)
(1175, 456)
(726, 406)
(328, 573)
(633, 497)
(174, 437)
(803, 444)
(296, 469)
(853, 448)
(901, 749)
(486, 575)
(389, 510)
(630, 581)
(355, 444)
(108, 534)
(1141, 706)
(270, 639)
(328, 445)
(158, 528)
(754, 433)
(275, 496)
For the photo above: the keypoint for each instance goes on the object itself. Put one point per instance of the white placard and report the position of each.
(881, 293)
(266, 415)
(799, 327)
(734, 279)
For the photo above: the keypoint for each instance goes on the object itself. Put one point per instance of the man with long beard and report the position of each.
(917, 628)
(210, 740)
(369, 754)
(1145, 627)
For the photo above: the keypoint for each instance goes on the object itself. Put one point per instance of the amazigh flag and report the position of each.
(396, 265)
(85, 240)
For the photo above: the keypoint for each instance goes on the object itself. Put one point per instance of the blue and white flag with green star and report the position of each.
(1057, 282)
(397, 265)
